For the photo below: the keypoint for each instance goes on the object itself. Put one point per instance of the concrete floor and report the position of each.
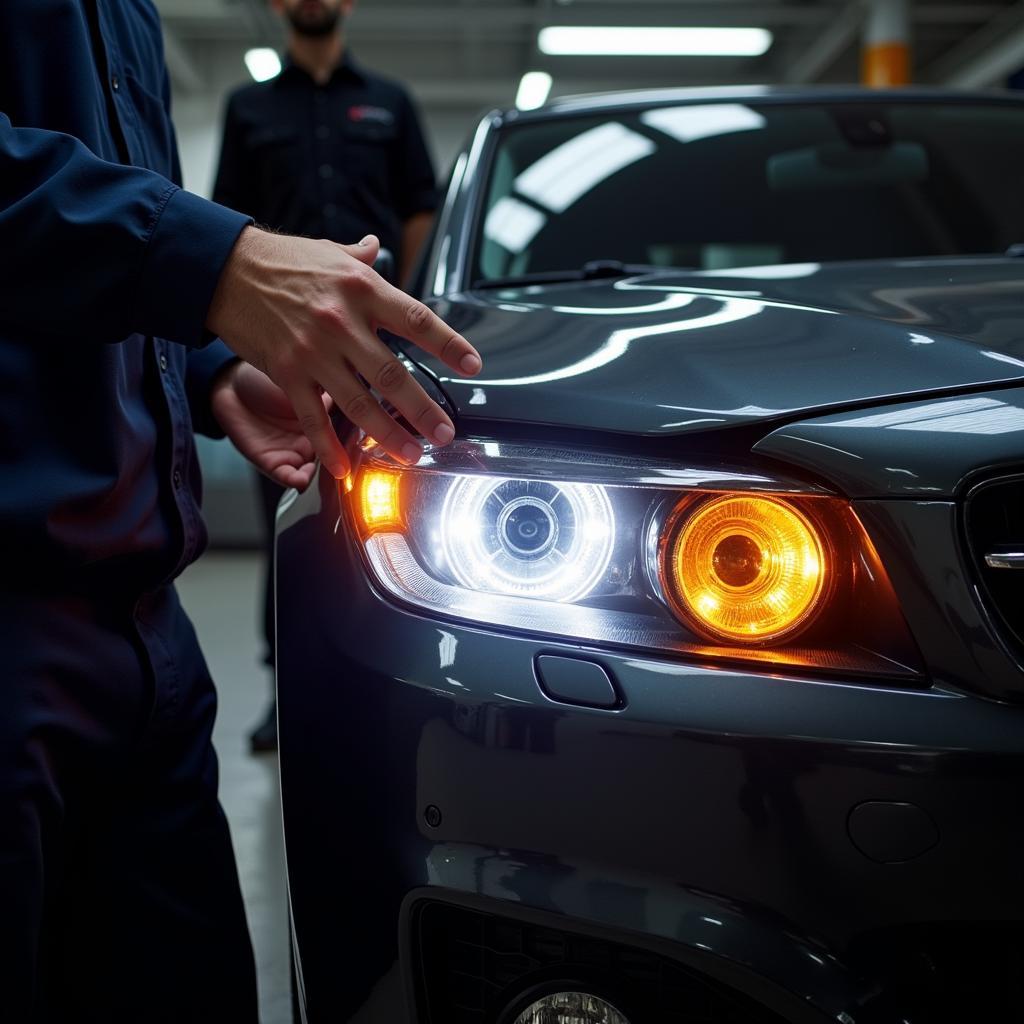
(223, 595)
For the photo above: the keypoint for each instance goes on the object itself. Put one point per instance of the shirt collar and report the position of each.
(347, 69)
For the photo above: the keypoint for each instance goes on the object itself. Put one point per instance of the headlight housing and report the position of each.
(642, 555)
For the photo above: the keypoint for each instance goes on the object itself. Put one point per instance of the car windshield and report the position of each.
(719, 185)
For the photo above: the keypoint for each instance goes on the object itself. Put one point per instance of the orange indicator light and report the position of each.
(379, 504)
(746, 568)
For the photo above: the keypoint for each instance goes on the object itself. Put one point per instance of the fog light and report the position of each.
(570, 1008)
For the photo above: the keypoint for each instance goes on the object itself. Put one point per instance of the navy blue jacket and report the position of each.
(107, 269)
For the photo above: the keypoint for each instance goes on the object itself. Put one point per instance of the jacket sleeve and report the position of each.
(95, 251)
(202, 368)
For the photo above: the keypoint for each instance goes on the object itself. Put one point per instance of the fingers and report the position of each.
(409, 318)
(316, 425)
(366, 251)
(292, 476)
(389, 378)
(365, 412)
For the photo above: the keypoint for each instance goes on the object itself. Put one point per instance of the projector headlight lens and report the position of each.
(746, 568)
(527, 538)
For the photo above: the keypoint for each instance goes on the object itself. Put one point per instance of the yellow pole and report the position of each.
(886, 56)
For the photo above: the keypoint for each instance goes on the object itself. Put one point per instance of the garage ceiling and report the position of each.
(471, 53)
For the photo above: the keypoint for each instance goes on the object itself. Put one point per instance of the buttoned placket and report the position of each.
(175, 411)
(322, 151)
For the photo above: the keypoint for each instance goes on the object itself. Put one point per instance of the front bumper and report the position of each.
(717, 813)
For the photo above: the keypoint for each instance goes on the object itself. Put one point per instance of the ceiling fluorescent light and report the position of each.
(533, 90)
(263, 63)
(622, 41)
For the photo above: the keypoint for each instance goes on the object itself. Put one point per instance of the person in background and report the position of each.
(326, 150)
(133, 314)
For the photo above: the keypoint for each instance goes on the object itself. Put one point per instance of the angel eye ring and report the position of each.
(529, 538)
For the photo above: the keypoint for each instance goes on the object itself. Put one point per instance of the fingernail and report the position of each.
(366, 240)
(444, 434)
(470, 363)
(412, 453)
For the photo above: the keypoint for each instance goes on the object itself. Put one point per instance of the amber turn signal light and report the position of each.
(745, 568)
(379, 505)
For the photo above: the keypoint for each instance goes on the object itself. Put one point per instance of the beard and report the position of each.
(314, 22)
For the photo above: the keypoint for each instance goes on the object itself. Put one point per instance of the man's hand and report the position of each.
(306, 313)
(259, 419)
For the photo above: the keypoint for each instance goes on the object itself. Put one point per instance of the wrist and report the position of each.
(236, 271)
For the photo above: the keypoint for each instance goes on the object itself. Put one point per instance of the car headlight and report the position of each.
(527, 538)
(637, 555)
(746, 568)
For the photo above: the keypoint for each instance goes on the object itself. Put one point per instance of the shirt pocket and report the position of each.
(276, 154)
(369, 149)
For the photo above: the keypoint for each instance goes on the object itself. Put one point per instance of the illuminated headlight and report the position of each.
(527, 538)
(632, 555)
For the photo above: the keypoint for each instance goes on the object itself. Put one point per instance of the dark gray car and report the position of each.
(686, 686)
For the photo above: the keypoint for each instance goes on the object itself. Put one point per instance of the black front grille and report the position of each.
(473, 966)
(994, 520)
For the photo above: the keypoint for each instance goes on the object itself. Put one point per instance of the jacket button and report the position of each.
(176, 479)
(115, 83)
(163, 362)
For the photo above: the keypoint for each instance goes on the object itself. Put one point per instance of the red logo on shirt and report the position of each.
(373, 115)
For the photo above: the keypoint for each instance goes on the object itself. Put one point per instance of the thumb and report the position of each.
(366, 251)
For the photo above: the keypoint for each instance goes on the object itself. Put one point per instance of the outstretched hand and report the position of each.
(259, 419)
(306, 313)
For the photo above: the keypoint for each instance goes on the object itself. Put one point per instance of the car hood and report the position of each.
(673, 353)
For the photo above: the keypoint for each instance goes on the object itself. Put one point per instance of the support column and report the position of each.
(886, 55)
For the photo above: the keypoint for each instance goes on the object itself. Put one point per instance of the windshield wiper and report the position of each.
(592, 270)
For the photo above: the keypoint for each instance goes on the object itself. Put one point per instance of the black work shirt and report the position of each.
(337, 161)
(107, 270)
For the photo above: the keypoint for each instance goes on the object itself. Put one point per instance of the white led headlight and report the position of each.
(527, 538)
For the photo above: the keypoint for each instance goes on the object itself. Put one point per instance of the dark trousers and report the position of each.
(119, 896)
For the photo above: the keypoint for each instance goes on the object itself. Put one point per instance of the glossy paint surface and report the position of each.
(708, 812)
(677, 354)
(928, 449)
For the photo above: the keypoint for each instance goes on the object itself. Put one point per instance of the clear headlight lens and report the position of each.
(528, 538)
(644, 556)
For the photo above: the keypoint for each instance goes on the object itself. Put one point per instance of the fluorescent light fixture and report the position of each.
(703, 120)
(571, 170)
(626, 41)
(533, 90)
(263, 63)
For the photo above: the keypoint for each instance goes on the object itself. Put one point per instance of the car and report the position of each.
(687, 684)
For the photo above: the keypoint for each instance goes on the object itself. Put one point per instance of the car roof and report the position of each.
(572, 106)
